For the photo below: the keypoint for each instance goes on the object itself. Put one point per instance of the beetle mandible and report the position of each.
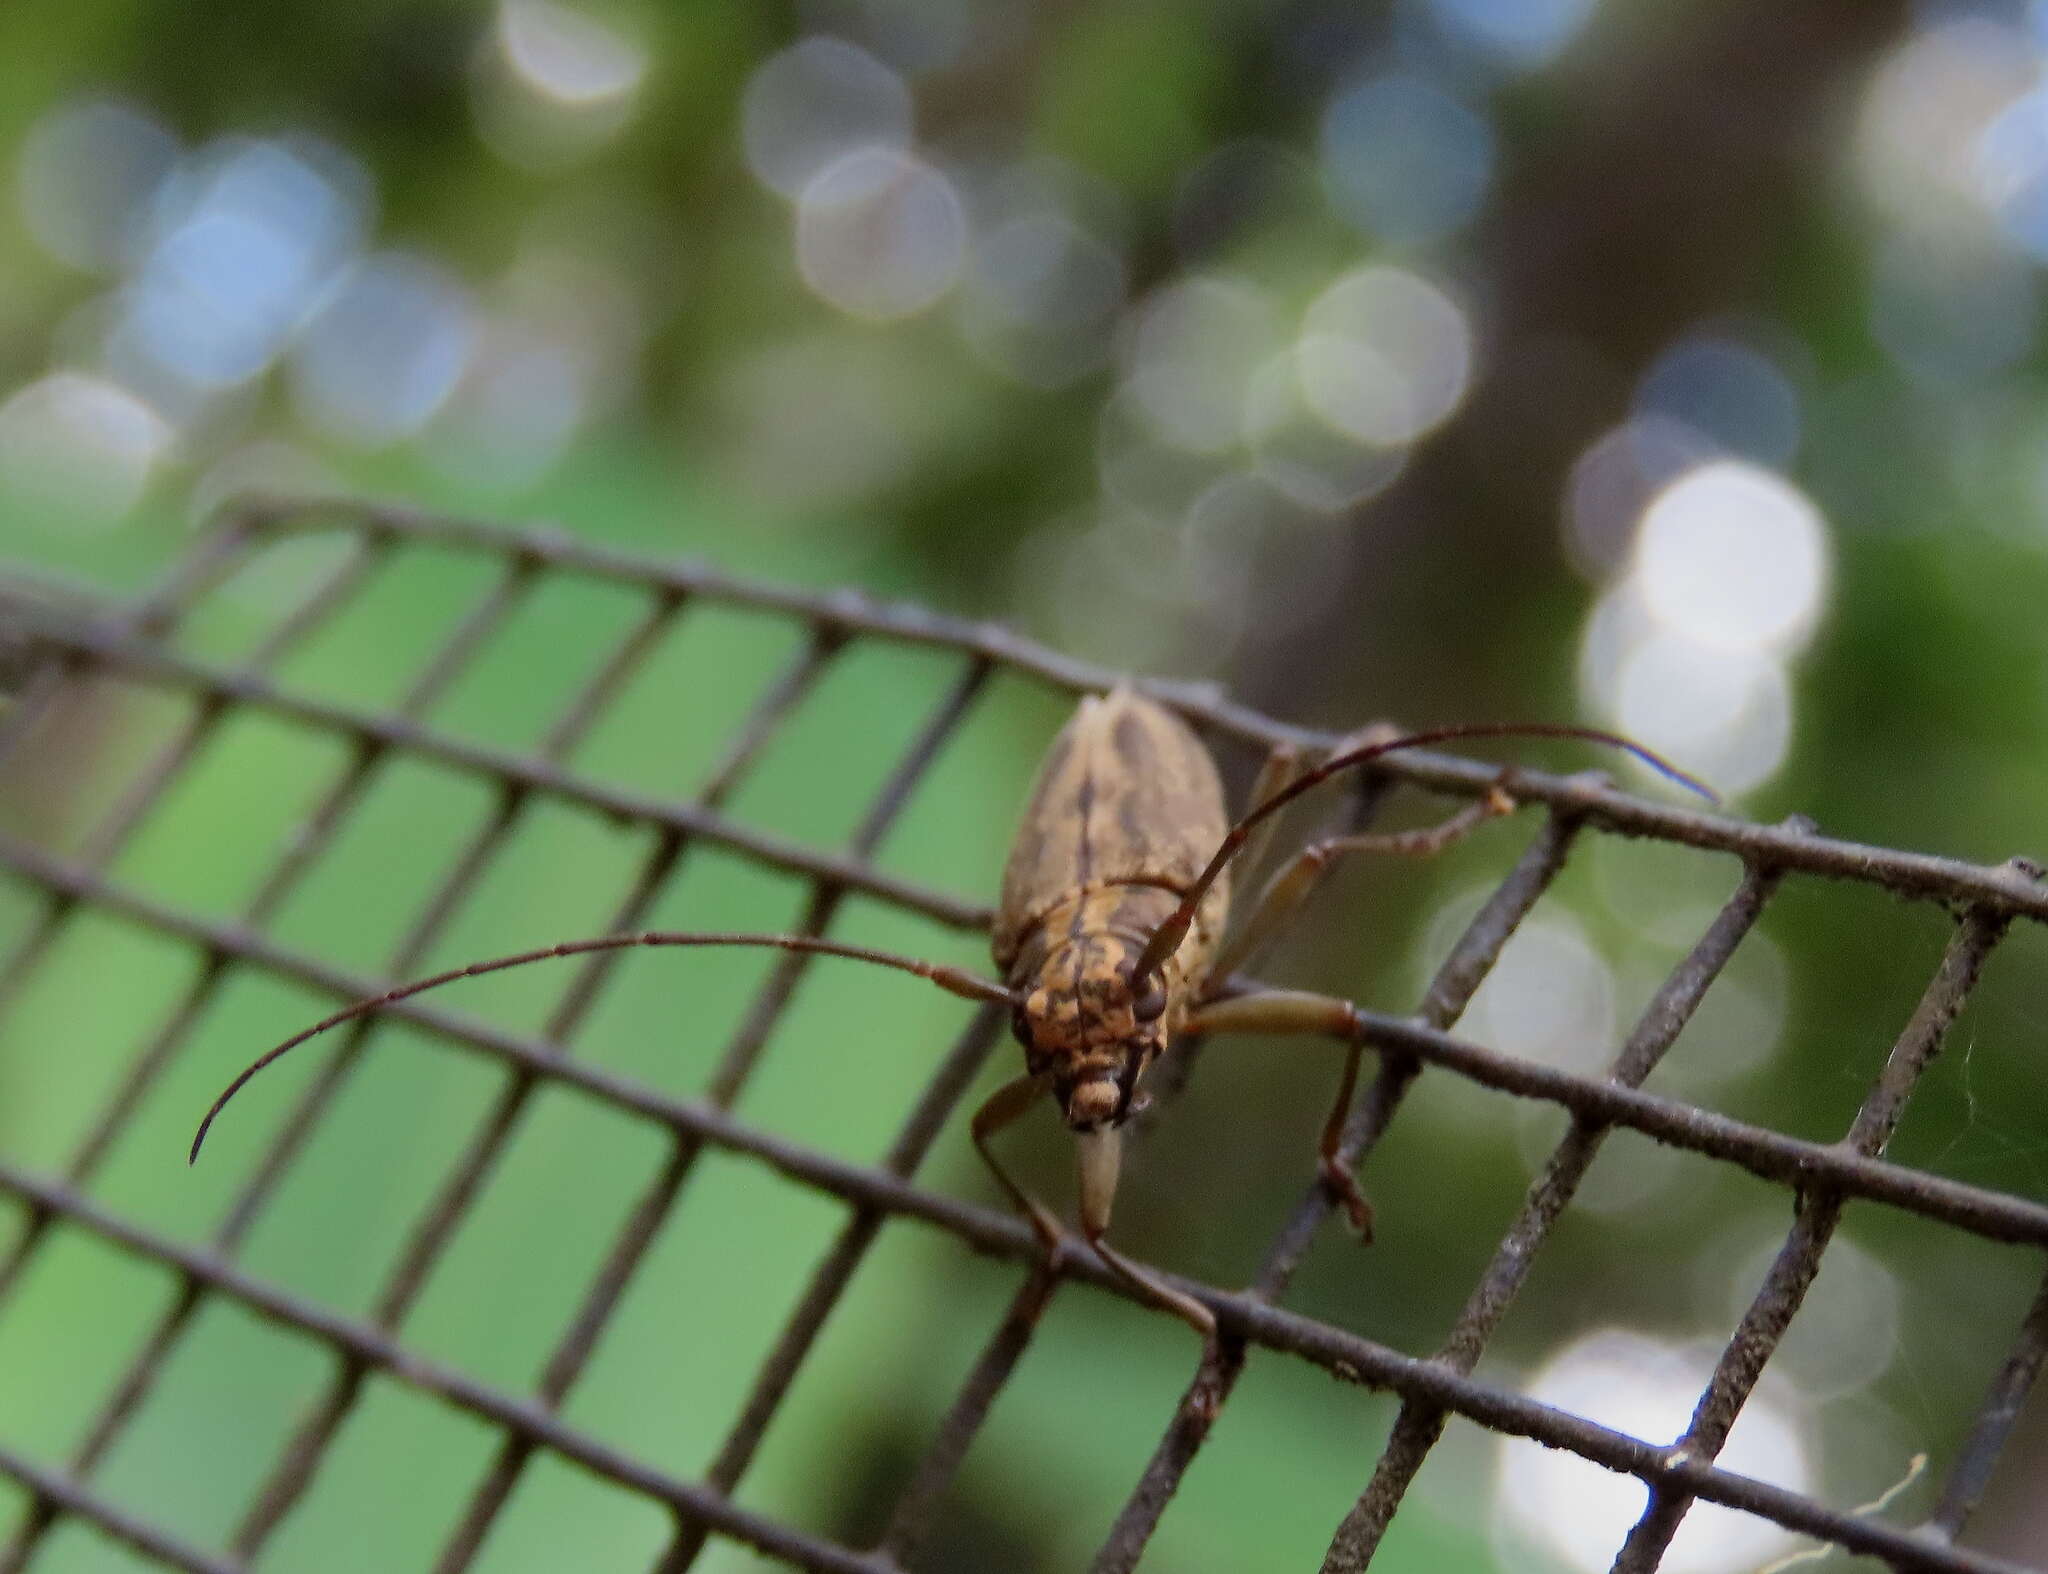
(1109, 934)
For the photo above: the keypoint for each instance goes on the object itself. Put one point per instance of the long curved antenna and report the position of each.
(956, 980)
(1167, 937)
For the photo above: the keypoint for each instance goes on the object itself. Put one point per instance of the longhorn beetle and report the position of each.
(1110, 938)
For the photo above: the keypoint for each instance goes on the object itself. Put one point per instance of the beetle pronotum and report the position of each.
(1109, 934)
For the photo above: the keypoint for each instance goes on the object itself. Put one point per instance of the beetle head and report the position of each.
(1082, 1026)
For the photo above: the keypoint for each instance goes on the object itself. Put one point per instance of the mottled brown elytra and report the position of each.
(1109, 934)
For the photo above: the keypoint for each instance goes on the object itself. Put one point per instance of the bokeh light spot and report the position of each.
(1138, 469)
(246, 242)
(1303, 456)
(1741, 1022)
(1724, 714)
(78, 447)
(386, 351)
(1526, 32)
(1847, 1330)
(1385, 355)
(918, 35)
(1550, 995)
(88, 171)
(1925, 111)
(514, 410)
(1733, 555)
(1581, 1513)
(880, 234)
(567, 56)
(1040, 297)
(815, 102)
(1949, 311)
(2012, 169)
(1613, 481)
(1192, 356)
(1626, 1176)
(1402, 159)
(1727, 391)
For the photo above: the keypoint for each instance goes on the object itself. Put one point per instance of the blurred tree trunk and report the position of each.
(1676, 180)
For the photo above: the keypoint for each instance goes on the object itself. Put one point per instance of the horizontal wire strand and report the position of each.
(2014, 886)
(1345, 1354)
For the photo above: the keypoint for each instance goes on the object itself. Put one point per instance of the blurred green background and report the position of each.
(1668, 366)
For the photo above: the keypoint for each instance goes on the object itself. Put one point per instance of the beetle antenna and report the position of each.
(959, 981)
(1166, 939)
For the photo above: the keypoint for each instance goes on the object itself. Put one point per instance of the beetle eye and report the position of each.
(1020, 1025)
(1149, 1005)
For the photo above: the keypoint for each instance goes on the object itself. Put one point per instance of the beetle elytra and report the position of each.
(1110, 938)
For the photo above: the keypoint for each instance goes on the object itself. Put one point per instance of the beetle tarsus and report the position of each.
(1344, 1186)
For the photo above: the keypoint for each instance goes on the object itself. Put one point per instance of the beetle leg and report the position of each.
(1005, 1107)
(1204, 1395)
(1099, 1154)
(1294, 1011)
(1291, 885)
(1008, 1104)
(1185, 1307)
(1278, 772)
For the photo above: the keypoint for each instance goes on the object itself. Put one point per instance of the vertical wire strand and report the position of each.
(1970, 1476)
(297, 1465)
(917, 1506)
(1449, 992)
(104, 844)
(1818, 1209)
(302, 851)
(1417, 1426)
(567, 1361)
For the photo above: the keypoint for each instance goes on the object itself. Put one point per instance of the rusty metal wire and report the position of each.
(51, 639)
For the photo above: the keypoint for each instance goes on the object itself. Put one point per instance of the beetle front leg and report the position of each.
(1284, 765)
(1288, 1011)
(1278, 771)
(1100, 1152)
(1100, 1155)
(1005, 1107)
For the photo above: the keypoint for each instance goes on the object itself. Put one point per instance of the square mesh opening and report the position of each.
(545, 1273)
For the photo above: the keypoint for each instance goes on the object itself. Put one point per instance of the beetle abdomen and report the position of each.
(1127, 796)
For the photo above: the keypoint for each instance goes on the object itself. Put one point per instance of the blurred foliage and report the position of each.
(1675, 366)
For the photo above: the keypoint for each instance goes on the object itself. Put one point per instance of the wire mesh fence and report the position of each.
(150, 695)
